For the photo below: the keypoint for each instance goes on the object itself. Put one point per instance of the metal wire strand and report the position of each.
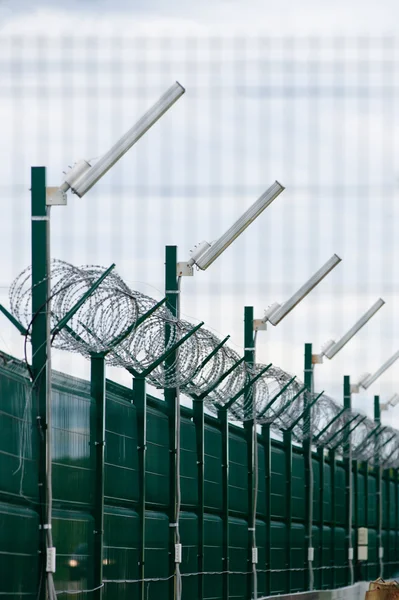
(135, 332)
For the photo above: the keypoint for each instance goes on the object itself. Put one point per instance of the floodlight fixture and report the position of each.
(81, 178)
(206, 253)
(394, 400)
(367, 379)
(276, 312)
(391, 402)
(332, 348)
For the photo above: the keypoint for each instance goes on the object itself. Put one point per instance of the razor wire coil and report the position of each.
(135, 332)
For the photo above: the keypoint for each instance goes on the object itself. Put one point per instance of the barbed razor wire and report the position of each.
(95, 312)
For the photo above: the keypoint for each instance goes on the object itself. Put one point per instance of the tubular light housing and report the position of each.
(206, 258)
(283, 310)
(83, 176)
(371, 378)
(336, 347)
(394, 400)
(391, 402)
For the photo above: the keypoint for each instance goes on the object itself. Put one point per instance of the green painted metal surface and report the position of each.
(172, 402)
(40, 232)
(281, 541)
(198, 487)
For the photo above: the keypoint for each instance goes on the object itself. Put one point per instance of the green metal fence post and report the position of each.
(40, 239)
(366, 508)
(355, 471)
(348, 483)
(307, 457)
(377, 410)
(378, 470)
(387, 557)
(396, 479)
(171, 398)
(250, 431)
(140, 402)
(268, 496)
(13, 320)
(198, 417)
(97, 391)
(287, 439)
(224, 424)
(333, 515)
(320, 453)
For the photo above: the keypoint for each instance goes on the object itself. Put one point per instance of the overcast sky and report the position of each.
(286, 17)
(300, 92)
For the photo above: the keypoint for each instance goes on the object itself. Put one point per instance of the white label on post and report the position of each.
(381, 552)
(350, 553)
(310, 554)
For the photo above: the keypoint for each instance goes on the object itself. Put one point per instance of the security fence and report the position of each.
(280, 488)
(214, 502)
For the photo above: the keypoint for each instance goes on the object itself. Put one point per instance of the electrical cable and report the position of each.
(178, 449)
(48, 432)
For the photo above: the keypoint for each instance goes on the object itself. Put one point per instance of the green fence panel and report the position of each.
(298, 488)
(19, 542)
(18, 466)
(372, 562)
(392, 505)
(157, 476)
(372, 501)
(327, 492)
(261, 505)
(157, 555)
(392, 557)
(278, 483)
(316, 489)
(121, 553)
(361, 505)
(74, 539)
(340, 557)
(189, 540)
(385, 545)
(238, 475)
(394, 553)
(385, 502)
(317, 557)
(213, 468)
(278, 533)
(327, 573)
(340, 510)
(261, 544)
(213, 557)
(297, 554)
(71, 452)
(188, 464)
(121, 458)
(238, 554)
